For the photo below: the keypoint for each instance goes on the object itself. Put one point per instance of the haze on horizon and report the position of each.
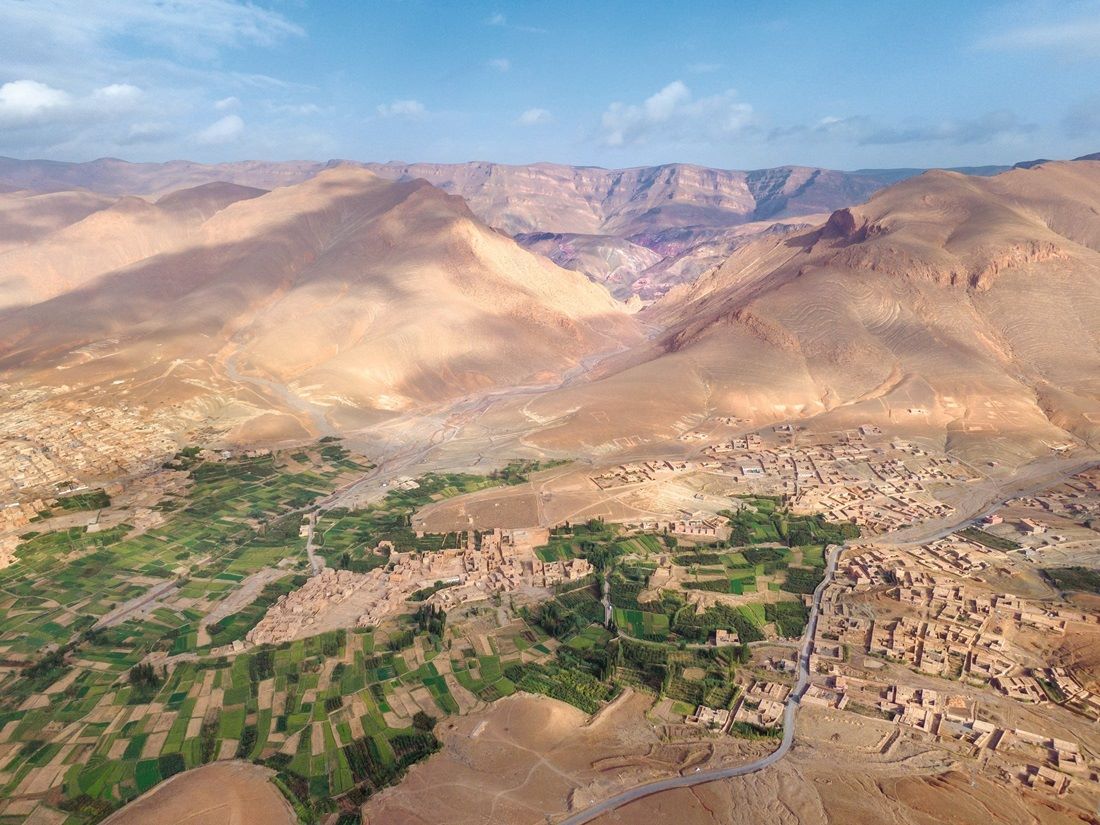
(612, 84)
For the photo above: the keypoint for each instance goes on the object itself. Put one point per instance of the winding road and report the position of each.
(454, 416)
(1019, 487)
(702, 777)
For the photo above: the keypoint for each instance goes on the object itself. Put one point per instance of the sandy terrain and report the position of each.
(531, 760)
(224, 793)
(527, 757)
(797, 793)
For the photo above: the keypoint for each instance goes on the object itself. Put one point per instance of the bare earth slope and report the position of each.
(969, 306)
(26, 217)
(360, 293)
(126, 231)
(110, 176)
(545, 197)
(637, 230)
(643, 229)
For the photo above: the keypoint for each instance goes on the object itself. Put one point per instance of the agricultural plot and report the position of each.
(80, 610)
(338, 716)
(348, 538)
(342, 714)
(251, 707)
(765, 521)
(979, 536)
(641, 624)
(90, 500)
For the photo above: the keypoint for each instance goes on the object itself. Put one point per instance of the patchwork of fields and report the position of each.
(80, 609)
(115, 672)
(82, 724)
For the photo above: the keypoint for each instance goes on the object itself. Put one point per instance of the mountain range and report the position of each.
(344, 290)
(639, 230)
(280, 300)
(947, 304)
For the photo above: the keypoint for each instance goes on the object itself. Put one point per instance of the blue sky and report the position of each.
(734, 84)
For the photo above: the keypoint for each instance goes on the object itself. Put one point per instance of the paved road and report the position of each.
(1015, 489)
(316, 563)
(128, 609)
(701, 777)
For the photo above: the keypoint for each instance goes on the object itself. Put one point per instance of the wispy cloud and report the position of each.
(500, 64)
(226, 130)
(139, 134)
(1065, 27)
(186, 27)
(674, 113)
(408, 109)
(534, 117)
(78, 68)
(1083, 119)
(865, 131)
(500, 21)
(295, 109)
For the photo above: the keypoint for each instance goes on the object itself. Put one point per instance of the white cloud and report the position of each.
(534, 117)
(411, 109)
(28, 103)
(143, 133)
(674, 113)
(501, 64)
(25, 101)
(227, 103)
(117, 96)
(226, 130)
(498, 20)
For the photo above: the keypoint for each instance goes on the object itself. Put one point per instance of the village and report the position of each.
(946, 642)
(939, 611)
(491, 563)
(52, 445)
(949, 644)
(853, 475)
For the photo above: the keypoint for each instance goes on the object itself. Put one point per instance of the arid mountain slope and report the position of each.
(968, 306)
(639, 230)
(643, 229)
(110, 176)
(357, 293)
(128, 230)
(26, 217)
(545, 197)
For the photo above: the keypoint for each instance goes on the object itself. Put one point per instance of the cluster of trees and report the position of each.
(423, 722)
(262, 665)
(145, 681)
(431, 619)
(555, 618)
(143, 675)
(208, 735)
